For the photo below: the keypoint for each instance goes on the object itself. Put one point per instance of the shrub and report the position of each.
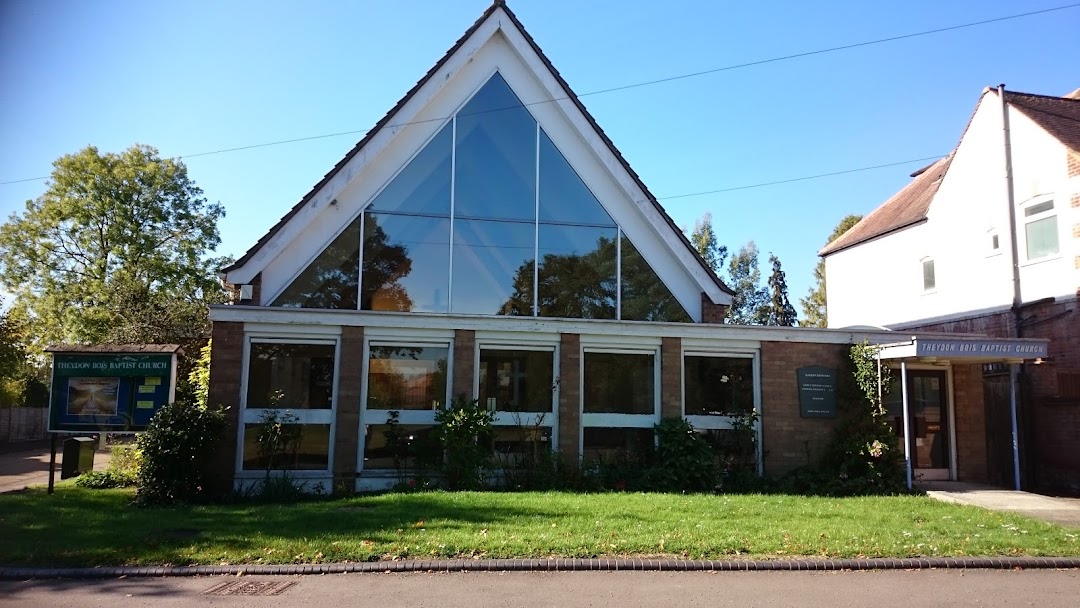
(177, 448)
(466, 430)
(683, 461)
(101, 480)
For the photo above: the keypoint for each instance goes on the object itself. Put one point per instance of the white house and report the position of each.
(986, 240)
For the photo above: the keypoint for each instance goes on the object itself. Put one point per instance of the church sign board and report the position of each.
(817, 391)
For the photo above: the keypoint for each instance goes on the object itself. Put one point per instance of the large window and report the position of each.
(719, 390)
(518, 384)
(1040, 230)
(488, 218)
(292, 381)
(620, 397)
(406, 384)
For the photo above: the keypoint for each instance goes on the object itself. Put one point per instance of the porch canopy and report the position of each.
(945, 351)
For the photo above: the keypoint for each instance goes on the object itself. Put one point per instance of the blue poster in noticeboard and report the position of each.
(109, 392)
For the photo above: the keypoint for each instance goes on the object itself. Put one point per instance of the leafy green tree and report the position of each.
(813, 305)
(750, 304)
(704, 240)
(781, 312)
(115, 250)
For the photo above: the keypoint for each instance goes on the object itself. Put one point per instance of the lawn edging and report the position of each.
(551, 565)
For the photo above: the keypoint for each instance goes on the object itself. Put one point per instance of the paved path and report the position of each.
(1062, 511)
(19, 469)
(879, 589)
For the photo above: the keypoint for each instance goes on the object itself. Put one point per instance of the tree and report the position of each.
(781, 312)
(704, 240)
(750, 303)
(813, 305)
(115, 250)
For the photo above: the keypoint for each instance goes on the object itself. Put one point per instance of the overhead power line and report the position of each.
(799, 179)
(636, 84)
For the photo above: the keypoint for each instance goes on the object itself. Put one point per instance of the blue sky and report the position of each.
(197, 76)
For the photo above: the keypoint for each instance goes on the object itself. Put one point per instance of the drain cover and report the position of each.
(248, 588)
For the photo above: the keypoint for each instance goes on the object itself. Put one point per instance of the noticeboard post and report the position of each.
(108, 389)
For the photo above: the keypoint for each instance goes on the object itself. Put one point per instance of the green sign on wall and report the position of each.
(109, 392)
(817, 391)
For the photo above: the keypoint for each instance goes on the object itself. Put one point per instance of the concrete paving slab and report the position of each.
(21, 469)
(1061, 511)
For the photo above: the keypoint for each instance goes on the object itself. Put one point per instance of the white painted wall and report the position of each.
(880, 282)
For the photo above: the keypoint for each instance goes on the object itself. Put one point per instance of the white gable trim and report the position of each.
(496, 45)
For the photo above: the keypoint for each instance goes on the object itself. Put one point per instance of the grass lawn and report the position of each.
(77, 527)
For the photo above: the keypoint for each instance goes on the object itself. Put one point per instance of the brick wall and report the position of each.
(1073, 162)
(710, 312)
(347, 422)
(569, 396)
(969, 413)
(671, 378)
(789, 440)
(226, 362)
(464, 351)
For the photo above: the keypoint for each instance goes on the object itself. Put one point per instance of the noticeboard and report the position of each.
(817, 391)
(99, 392)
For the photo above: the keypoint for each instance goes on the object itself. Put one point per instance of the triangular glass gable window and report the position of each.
(644, 295)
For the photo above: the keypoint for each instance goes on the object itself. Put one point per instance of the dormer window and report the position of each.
(1040, 230)
(929, 282)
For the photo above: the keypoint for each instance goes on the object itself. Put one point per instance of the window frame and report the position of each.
(253, 415)
(1027, 220)
(720, 423)
(610, 420)
(513, 419)
(405, 417)
(933, 269)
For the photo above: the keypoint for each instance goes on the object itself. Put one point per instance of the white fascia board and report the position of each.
(423, 118)
(704, 335)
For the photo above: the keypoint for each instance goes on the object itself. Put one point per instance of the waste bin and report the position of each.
(78, 457)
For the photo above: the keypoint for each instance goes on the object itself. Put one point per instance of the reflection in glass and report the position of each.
(312, 452)
(329, 281)
(718, 386)
(405, 265)
(492, 259)
(644, 295)
(496, 156)
(400, 447)
(407, 377)
(518, 380)
(618, 383)
(616, 444)
(290, 376)
(577, 273)
(423, 186)
(521, 445)
(564, 198)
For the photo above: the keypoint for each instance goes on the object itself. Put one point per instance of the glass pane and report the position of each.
(496, 156)
(518, 380)
(644, 295)
(290, 376)
(310, 453)
(928, 281)
(564, 198)
(405, 263)
(718, 386)
(423, 186)
(616, 444)
(577, 272)
(928, 421)
(493, 267)
(329, 281)
(1042, 237)
(619, 384)
(403, 447)
(522, 444)
(407, 377)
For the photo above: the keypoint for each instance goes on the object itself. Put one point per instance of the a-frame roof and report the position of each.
(710, 283)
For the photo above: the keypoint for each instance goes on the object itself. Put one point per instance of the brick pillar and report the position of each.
(671, 378)
(347, 421)
(569, 396)
(464, 351)
(970, 417)
(226, 361)
(710, 312)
